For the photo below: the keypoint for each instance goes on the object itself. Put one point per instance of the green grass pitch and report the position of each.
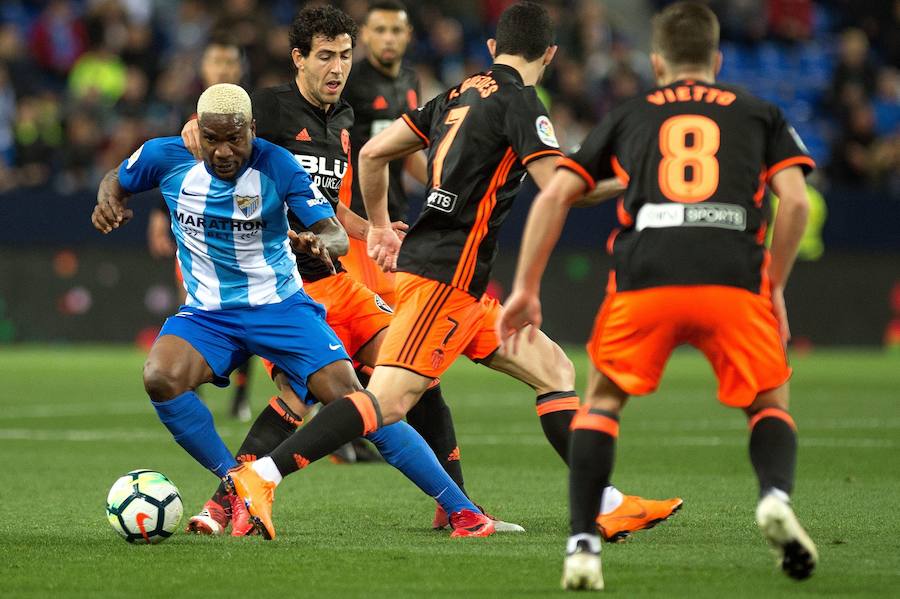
(74, 419)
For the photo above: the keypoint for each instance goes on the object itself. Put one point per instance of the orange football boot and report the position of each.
(635, 513)
(467, 523)
(258, 495)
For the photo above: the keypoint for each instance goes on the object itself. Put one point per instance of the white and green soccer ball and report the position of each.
(144, 507)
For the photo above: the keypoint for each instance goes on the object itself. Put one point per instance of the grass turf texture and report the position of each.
(74, 419)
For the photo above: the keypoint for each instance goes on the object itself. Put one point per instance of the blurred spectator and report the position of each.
(7, 120)
(887, 101)
(140, 76)
(791, 20)
(854, 74)
(39, 134)
(99, 75)
(84, 138)
(58, 38)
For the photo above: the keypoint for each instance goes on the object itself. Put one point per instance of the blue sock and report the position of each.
(405, 449)
(191, 423)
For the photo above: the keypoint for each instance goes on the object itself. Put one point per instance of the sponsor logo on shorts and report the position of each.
(383, 305)
(442, 200)
(334, 346)
(437, 358)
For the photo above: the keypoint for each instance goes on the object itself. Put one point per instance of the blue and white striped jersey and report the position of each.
(232, 235)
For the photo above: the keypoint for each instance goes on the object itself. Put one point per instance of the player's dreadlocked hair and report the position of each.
(525, 30)
(326, 21)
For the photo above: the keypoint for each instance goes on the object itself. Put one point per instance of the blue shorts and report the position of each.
(292, 334)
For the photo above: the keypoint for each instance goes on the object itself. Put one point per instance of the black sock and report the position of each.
(591, 455)
(432, 419)
(556, 411)
(773, 450)
(273, 425)
(240, 383)
(337, 423)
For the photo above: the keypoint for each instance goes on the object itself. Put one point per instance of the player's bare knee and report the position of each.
(394, 410)
(777, 398)
(162, 382)
(558, 373)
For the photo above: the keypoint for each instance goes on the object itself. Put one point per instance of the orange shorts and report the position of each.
(363, 269)
(354, 312)
(435, 323)
(636, 331)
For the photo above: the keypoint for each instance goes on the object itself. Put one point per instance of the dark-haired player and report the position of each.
(307, 117)
(380, 89)
(481, 137)
(690, 267)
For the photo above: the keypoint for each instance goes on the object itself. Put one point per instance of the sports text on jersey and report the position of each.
(326, 173)
(692, 93)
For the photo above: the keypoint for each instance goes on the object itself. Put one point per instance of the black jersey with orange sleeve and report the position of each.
(480, 136)
(696, 158)
(378, 100)
(319, 141)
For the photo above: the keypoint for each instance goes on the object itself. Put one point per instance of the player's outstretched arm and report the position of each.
(416, 166)
(111, 211)
(605, 190)
(542, 230)
(790, 223)
(315, 242)
(396, 141)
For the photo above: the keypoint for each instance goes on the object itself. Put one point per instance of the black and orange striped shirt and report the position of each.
(480, 136)
(696, 158)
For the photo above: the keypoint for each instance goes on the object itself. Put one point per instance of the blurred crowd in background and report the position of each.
(84, 82)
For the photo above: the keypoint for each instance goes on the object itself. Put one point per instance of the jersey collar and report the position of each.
(503, 68)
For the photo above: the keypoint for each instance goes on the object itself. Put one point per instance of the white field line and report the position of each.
(141, 406)
(56, 436)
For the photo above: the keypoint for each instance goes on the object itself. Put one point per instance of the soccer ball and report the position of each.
(144, 507)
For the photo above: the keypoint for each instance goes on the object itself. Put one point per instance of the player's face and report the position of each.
(386, 35)
(226, 141)
(323, 74)
(220, 64)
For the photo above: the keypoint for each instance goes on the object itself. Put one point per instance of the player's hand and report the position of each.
(400, 228)
(310, 244)
(110, 212)
(190, 135)
(384, 246)
(519, 311)
(780, 309)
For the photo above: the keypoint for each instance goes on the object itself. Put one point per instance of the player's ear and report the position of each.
(253, 128)
(297, 58)
(549, 54)
(492, 47)
(659, 66)
(717, 63)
